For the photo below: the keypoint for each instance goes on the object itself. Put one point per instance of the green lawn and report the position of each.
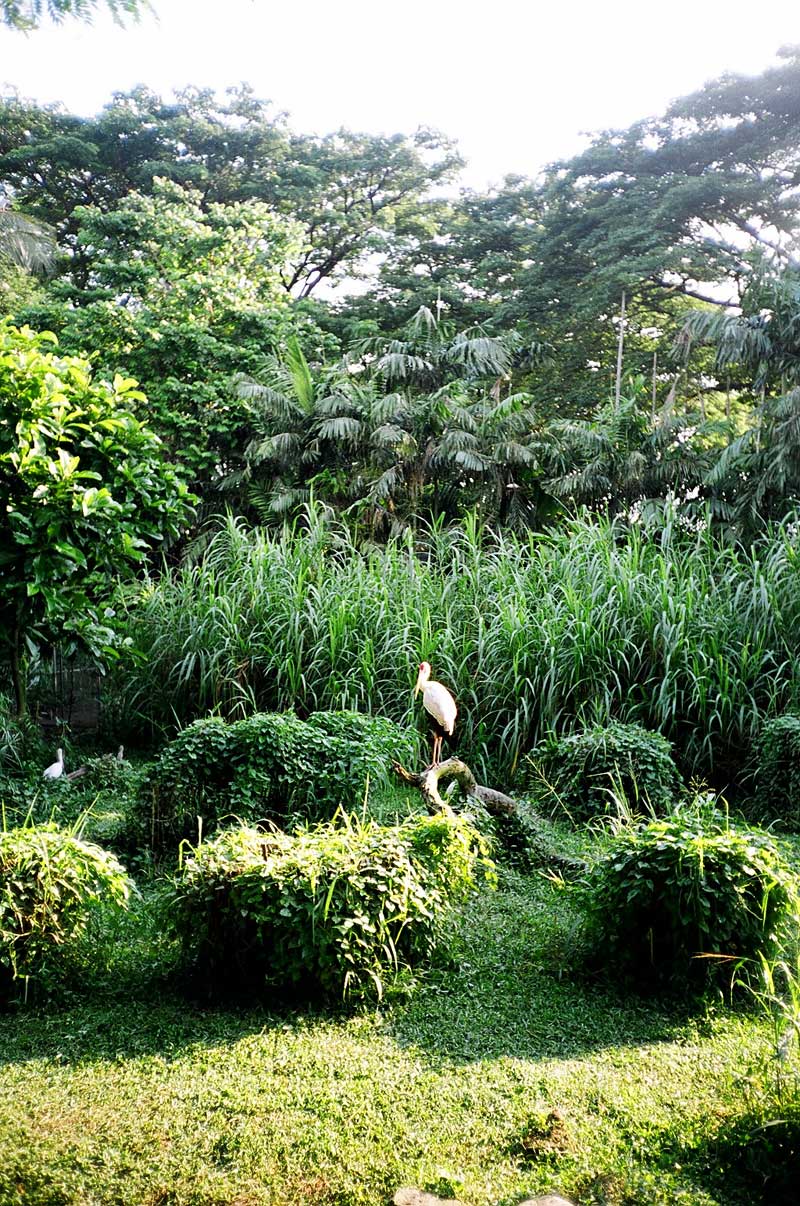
(149, 1101)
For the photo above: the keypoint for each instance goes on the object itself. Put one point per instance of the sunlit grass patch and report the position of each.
(157, 1101)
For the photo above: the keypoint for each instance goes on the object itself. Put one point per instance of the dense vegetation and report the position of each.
(549, 444)
(588, 622)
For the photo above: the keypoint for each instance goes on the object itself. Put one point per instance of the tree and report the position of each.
(85, 491)
(756, 478)
(349, 191)
(27, 14)
(26, 243)
(184, 297)
(677, 203)
(625, 454)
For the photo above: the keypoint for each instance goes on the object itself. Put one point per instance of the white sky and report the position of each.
(514, 81)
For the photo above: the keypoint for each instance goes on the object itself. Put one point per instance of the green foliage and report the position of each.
(344, 908)
(690, 900)
(184, 294)
(776, 773)
(582, 625)
(583, 772)
(50, 884)
(28, 14)
(84, 491)
(349, 191)
(267, 766)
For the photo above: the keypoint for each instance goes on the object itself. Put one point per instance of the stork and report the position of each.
(440, 706)
(56, 769)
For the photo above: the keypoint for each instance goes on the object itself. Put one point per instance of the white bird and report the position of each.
(57, 769)
(440, 706)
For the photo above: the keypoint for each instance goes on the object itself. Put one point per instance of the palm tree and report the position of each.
(623, 454)
(283, 451)
(757, 476)
(26, 242)
(431, 353)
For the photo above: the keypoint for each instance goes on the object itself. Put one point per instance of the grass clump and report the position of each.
(51, 884)
(583, 773)
(267, 767)
(343, 909)
(690, 900)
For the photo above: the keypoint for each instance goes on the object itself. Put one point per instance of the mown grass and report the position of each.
(149, 1100)
(586, 623)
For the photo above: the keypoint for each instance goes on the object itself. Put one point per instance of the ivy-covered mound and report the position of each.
(342, 909)
(581, 774)
(270, 766)
(51, 883)
(776, 773)
(690, 899)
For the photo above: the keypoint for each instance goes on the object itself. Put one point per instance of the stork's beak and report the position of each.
(418, 687)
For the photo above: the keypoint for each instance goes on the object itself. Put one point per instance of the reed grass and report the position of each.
(590, 622)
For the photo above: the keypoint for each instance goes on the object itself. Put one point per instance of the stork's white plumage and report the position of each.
(56, 769)
(440, 706)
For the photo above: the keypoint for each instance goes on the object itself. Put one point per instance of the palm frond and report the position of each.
(340, 427)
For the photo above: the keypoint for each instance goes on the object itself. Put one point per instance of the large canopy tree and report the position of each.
(349, 191)
(184, 297)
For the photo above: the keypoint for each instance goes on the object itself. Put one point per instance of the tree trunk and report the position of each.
(620, 346)
(19, 675)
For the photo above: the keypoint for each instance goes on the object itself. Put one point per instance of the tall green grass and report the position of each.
(586, 623)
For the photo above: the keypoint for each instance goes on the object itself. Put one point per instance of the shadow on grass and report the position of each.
(512, 988)
(517, 988)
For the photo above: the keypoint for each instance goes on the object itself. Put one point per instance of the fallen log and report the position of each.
(520, 823)
(453, 768)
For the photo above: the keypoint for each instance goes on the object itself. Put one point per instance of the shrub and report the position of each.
(581, 773)
(776, 775)
(269, 767)
(670, 892)
(341, 908)
(51, 882)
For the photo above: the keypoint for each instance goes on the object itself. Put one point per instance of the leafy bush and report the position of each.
(777, 770)
(670, 892)
(269, 767)
(50, 884)
(581, 773)
(341, 908)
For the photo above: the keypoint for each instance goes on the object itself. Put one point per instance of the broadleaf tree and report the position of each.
(85, 492)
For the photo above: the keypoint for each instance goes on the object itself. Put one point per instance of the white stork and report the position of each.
(440, 706)
(56, 769)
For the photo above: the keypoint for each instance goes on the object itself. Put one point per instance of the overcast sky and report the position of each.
(516, 82)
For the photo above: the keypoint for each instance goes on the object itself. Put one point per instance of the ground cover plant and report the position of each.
(338, 911)
(268, 766)
(776, 770)
(691, 899)
(51, 882)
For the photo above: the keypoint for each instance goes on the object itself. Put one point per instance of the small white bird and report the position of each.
(57, 769)
(440, 706)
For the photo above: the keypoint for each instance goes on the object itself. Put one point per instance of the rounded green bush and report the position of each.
(51, 882)
(269, 766)
(340, 909)
(689, 899)
(776, 776)
(582, 774)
